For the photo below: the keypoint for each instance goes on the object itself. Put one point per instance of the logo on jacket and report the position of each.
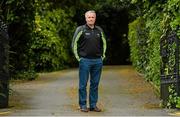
(87, 33)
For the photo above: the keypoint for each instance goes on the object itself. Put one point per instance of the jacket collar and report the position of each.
(89, 27)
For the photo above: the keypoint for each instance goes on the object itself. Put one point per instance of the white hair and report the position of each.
(90, 11)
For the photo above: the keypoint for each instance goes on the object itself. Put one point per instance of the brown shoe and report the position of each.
(96, 109)
(84, 109)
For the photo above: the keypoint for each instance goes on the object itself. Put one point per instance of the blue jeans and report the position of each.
(92, 67)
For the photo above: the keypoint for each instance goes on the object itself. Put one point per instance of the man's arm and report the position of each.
(75, 40)
(104, 45)
(104, 42)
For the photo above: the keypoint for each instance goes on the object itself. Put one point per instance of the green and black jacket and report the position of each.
(89, 43)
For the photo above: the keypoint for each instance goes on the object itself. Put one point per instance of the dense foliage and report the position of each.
(50, 46)
(19, 15)
(145, 33)
(41, 31)
(144, 38)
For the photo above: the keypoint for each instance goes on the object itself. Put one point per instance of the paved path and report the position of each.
(122, 92)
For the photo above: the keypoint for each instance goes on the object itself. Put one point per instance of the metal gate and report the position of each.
(4, 63)
(169, 49)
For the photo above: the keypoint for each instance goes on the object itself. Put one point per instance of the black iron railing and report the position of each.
(4, 63)
(169, 50)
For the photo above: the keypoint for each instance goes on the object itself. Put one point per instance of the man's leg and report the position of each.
(95, 73)
(83, 79)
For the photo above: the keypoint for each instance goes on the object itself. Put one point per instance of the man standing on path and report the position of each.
(89, 47)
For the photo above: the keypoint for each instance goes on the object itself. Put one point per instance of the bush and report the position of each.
(50, 46)
(25, 75)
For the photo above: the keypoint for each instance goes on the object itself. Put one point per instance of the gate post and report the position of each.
(169, 50)
(4, 63)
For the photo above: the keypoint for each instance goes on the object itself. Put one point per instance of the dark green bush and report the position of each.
(50, 46)
(25, 75)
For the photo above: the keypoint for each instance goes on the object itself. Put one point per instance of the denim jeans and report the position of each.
(92, 67)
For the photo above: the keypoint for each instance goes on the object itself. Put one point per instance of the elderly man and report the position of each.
(89, 47)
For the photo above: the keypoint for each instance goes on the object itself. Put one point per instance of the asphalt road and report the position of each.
(122, 92)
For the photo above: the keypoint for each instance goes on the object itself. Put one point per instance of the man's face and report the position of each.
(90, 18)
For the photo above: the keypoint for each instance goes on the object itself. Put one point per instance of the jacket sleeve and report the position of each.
(104, 42)
(104, 45)
(75, 40)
